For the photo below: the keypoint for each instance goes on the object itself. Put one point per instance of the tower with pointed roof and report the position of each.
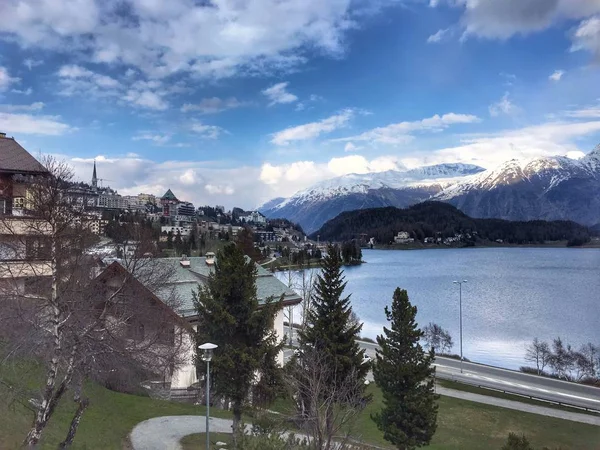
(168, 201)
(94, 177)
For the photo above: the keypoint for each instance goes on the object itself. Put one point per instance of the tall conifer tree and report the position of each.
(329, 329)
(229, 315)
(404, 373)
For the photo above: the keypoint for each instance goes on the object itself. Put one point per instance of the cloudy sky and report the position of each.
(237, 101)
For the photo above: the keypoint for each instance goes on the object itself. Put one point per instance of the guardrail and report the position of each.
(518, 394)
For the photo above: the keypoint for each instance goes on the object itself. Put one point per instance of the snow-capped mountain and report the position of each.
(312, 207)
(550, 188)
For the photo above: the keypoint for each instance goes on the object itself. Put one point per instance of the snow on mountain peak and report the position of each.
(391, 179)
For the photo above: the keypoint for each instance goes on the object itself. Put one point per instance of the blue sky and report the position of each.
(235, 102)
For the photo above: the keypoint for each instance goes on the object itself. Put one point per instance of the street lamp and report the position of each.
(460, 283)
(207, 352)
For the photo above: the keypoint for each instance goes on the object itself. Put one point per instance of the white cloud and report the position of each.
(439, 35)
(6, 80)
(211, 39)
(270, 174)
(28, 124)
(188, 177)
(401, 133)
(587, 36)
(76, 79)
(146, 99)
(587, 112)
(503, 106)
(27, 91)
(314, 129)
(556, 75)
(350, 147)
(31, 63)
(489, 150)
(278, 94)
(502, 19)
(158, 139)
(575, 154)
(213, 105)
(219, 189)
(37, 106)
(206, 131)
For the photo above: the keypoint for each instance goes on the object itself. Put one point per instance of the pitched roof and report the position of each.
(15, 159)
(117, 270)
(186, 281)
(169, 195)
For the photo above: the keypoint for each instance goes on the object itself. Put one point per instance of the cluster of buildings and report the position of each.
(25, 267)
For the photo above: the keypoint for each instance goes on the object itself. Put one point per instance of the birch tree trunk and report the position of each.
(47, 405)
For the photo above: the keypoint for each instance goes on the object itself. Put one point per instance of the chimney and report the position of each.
(2, 135)
(185, 262)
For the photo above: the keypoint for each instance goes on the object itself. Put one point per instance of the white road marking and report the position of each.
(519, 385)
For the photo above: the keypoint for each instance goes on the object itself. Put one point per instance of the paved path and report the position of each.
(512, 404)
(164, 433)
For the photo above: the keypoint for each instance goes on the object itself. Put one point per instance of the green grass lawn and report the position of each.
(464, 425)
(517, 398)
(105, 424)
(198, 441)
(111, 417)
(467, 425)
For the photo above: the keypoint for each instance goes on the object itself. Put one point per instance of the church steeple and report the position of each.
(94, 177)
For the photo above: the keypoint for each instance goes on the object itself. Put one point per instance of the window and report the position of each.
(19, 202)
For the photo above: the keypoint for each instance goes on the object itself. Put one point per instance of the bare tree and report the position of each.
(326, 409)
(437, 338)
(302, 282)
(539, 353)
(561, 360)
(591, 353)
(56, 308)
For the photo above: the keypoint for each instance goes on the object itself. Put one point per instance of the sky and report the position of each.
(235, 102)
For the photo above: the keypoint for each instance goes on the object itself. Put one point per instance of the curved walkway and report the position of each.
(164, 433)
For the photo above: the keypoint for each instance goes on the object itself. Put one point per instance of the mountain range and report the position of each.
(549, 188)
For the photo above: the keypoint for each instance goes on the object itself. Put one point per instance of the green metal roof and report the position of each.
(169, 195)
(186, 280)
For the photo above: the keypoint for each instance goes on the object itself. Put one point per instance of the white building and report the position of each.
(253, 217)
(403, 238)
(192, 271)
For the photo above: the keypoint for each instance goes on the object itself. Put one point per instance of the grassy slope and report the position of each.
(111, 417)
(105, 425)
(466, 425)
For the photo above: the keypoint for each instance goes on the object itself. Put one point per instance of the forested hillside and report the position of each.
(440, 220)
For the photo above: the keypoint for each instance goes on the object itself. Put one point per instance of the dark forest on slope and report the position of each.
(435, 219)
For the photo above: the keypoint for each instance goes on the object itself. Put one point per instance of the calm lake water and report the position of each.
(512, 295)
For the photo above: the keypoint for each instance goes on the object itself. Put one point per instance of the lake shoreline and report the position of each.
(555, 244)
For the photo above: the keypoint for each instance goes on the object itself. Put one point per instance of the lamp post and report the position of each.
(207, 351)
(460, 283)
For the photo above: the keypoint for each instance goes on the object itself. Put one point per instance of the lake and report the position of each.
(511, 296)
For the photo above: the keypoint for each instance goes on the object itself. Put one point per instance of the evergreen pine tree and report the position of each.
(328, 326)
(229, 315)
(404, 373)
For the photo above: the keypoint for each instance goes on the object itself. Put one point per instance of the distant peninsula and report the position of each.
(434, 224)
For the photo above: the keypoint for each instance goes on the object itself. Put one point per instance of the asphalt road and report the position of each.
(508, 380)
